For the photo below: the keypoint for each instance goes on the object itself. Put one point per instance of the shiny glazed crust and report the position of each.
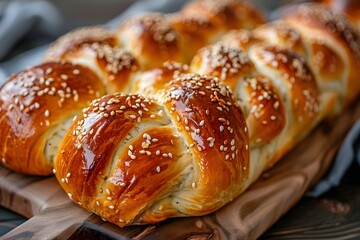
(120, 60)
(193, 137)
(177, 144)
(32, 103)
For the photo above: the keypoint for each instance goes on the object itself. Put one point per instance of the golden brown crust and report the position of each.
(203, 22)
(33, 102)
(298, 90)
(150, 82)
(96, 48)
(229, 64)
(192, 141)
(320, 26)
(266, 117)
(226, 14)
(281, 36)
(326, 63)
(115, 66)
(256, 93)
(106, 177)
(151, 39)
(241, 39)
(214, 127)
(195, 31)
(350, 8)
(75, 39)
(123, 142)
(292, 75)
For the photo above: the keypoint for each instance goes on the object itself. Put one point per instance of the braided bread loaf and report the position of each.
(348, 7)
(38, 104)
(199, 142)
(192, 146)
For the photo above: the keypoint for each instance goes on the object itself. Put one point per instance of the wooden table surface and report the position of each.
(335, 215)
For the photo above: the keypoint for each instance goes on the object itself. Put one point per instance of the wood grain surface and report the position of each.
(247, 217)
(336, 215)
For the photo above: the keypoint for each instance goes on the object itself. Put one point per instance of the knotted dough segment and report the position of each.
(136, 160)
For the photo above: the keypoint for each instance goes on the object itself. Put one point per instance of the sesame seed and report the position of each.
(221, 128)
(158, 169)
(193, 185)
(111, 207)
(47, 113)
(276, 105)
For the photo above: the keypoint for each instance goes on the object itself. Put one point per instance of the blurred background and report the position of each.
(72, 14)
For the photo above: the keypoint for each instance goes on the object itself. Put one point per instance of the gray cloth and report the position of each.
(348, 153)
(19, 18)
(31, 15)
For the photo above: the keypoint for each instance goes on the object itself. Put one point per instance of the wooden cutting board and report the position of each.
(53, 216)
